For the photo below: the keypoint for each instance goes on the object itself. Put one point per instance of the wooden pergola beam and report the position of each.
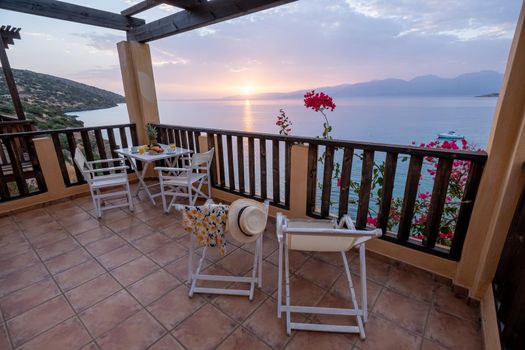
(203, 15)
(7, 36)
(184, 4)
(74, 13)
(140, 7)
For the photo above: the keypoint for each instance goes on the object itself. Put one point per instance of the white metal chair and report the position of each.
(102, 180)
(322, 236)
(186, 182)
(195, 275)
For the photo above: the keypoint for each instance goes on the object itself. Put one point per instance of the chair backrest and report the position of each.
(198, 159)
(82, 164)
(322, 235)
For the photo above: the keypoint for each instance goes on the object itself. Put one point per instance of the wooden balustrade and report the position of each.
(20, 171)
(257, 165)
(20, 165)
(377, 174)
(366, 180)
(246, 164)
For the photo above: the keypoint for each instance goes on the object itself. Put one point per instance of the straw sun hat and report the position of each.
(246, 220)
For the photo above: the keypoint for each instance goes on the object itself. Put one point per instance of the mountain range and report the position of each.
(470, 84)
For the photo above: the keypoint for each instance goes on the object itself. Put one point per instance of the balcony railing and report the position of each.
(259, 166)
(251, 163)
(20, 171)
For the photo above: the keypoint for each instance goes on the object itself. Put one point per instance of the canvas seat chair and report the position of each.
(187, 181)
(105, 183)
(322, 236)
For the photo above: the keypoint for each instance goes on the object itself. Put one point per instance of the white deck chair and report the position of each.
(322, 236)
(195, 275)
(186, 182)
(100, 182)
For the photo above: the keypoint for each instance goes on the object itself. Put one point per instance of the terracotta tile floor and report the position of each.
(69, 281)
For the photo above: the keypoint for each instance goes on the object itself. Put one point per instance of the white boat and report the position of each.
(451, 135)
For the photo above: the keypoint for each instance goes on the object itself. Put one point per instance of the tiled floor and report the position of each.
(70, 281)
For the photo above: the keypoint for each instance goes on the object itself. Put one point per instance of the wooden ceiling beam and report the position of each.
(71, 12)
(203, 15)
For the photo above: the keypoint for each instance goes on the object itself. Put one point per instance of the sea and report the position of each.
(393, 120)
(390, 120)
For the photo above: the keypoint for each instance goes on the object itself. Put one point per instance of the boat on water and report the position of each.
(451, 135)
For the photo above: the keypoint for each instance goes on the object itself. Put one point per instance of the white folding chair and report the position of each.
(195, 275)
(186, 182)
(322, 236)
(103, 181)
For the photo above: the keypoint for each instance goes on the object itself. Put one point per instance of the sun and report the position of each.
(247, 89)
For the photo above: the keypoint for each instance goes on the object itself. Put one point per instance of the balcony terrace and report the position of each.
(70, 281)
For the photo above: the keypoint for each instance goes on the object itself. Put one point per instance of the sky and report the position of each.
(305, 44)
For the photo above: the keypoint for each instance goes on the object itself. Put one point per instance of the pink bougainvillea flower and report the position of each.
(318, 101)
(372, 221)
(424, 196)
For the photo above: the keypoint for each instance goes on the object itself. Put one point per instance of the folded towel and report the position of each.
(207, 222)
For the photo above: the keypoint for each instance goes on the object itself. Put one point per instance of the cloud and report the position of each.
(464, 20)
(101, 41)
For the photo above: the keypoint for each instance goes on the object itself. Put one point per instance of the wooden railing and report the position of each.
(9, 127)
(369, 174)
(258, 165)
(20, 165)
(20, 172)
(252, 165)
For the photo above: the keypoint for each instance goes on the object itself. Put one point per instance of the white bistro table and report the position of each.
(168, 155)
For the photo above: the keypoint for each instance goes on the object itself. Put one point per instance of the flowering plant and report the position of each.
(320, 102)
(455, 192)
(284, 123)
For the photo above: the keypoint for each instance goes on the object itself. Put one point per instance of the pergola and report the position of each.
(193, 14)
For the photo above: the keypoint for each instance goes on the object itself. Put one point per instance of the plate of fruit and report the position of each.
(155, 149)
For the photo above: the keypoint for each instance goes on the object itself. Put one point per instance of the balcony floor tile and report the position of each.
(69, 280)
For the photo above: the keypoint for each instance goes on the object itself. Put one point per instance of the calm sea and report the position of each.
(397, 120)
(392, 120)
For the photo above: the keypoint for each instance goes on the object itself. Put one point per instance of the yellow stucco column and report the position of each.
(139, 85)
(502, 179)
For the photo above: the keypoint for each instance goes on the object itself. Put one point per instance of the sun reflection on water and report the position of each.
(248, 116)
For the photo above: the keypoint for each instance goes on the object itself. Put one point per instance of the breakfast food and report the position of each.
(156, 149)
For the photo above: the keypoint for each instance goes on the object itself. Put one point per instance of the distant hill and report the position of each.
(46, 99)
(471, 84)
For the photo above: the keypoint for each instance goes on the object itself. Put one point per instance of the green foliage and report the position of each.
(46, 99)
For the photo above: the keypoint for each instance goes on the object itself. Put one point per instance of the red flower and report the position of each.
(371, 221)
(339, 182)
(318, 101)
(424, 196)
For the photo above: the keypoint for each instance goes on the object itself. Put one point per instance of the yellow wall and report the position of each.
(502, 180)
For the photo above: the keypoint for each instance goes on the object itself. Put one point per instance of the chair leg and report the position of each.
(260, 246)
(352, 294)
(190, 197)
(254, 270)
(364, 297)
(280, 282)
(130, 198)
(287, 281)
